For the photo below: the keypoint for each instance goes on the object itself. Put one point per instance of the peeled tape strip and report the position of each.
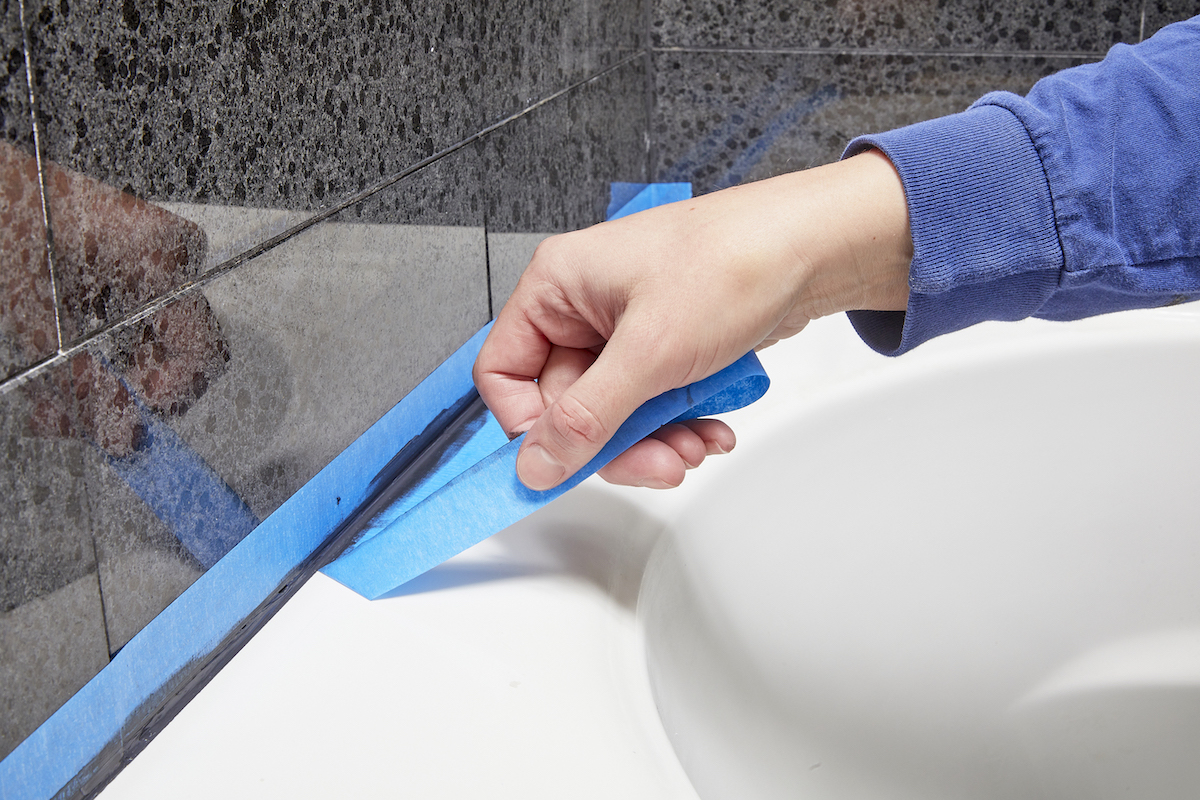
(487, 497)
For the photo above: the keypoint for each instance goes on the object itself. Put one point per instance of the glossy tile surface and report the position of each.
(52, 635)
(28, 332)
(1160, 13)
(263, 103)
(533, 48)
(232, 105)
(15, 122)
(726, 118)
(221, 347)
(550, 170)
(325, 333)
(1013, 26)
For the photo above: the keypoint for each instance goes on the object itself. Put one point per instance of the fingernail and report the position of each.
(539, 470)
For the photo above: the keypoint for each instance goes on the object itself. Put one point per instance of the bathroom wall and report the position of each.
(267, 221)
(746, 90)
(254, 226)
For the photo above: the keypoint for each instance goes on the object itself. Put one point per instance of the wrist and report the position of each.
(860, 254)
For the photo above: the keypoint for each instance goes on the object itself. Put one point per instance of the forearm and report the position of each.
(1078, 200)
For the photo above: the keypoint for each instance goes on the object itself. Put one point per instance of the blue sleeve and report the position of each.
(1079, 199)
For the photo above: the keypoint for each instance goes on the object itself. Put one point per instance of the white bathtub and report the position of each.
(973, 572)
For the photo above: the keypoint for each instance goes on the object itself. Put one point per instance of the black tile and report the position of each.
(242, 104)
(1160, 13)
(1013, 26)
(49, 648)
(252, 103)
(15, 122)
(550, 170)
(113, 252)
(52, 635)
(330, 329)
(28, 331)
(531, 49)
(726, 118)
(44, 535)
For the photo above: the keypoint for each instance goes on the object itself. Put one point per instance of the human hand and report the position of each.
(606, 318)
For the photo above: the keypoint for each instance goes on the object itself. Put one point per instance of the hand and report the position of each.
(606, 318)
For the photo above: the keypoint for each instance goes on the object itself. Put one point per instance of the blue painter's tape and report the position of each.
(630, 198)
(487, 497)
(191, 628)
(201, 510)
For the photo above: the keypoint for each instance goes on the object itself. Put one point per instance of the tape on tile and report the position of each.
(160, 660)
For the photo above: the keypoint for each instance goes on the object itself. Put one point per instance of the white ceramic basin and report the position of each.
(974, 574)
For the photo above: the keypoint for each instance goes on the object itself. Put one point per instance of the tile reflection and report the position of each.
(1007, 26)
(113, 252)
(28, 330)
(725, 118)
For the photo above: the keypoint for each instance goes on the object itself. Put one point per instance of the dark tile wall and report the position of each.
(747, 90)
(269, 222)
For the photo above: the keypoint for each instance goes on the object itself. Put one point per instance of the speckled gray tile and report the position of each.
(113, 252)
(328, 331)
(533, 48)
(142, 564)
(550, 170)
(15, 122)
(726, 118)
(1160, 13)
(44, 538)
(1015, 25)
(52, 635)
(27, 328)
(49, 648)
(508, 256)
(251, 103)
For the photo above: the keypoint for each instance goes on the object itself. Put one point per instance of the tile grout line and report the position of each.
(37, 155)
(487, 265)
(65, 352)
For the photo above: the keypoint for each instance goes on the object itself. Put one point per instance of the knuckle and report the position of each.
(578, 427)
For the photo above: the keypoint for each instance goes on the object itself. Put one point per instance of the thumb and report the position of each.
(573, 429)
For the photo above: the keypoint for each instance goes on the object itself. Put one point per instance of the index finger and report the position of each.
(506, 371)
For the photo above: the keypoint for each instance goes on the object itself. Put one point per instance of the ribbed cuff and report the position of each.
(985, 245)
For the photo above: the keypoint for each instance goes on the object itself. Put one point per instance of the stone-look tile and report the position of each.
(726, 118)
(49, 648)
(28, 332)
(44, 539)
(533, 48)
(1160, 13)
(113, 252)
(235, 104)
(28, 329)
(550, 170)
(260, 103)
(328, 331)
(142, 564)
(1012, 26)
(508, 256)
(15, 121)
(52, 634)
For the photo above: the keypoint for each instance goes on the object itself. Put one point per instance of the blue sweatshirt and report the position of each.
(1079, 199)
